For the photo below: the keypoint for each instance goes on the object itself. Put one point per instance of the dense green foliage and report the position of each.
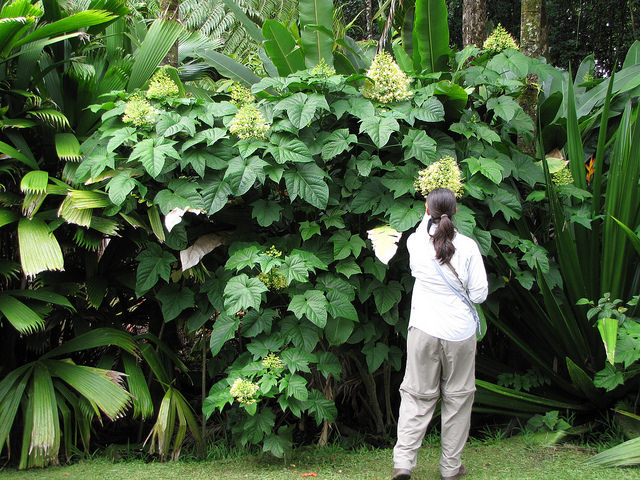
(229, 226)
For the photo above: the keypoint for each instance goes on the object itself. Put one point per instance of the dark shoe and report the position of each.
(400, 474)
(462, 471)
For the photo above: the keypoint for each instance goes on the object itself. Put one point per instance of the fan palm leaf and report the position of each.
(39, 249)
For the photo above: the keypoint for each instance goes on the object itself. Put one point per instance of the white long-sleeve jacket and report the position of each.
(435, 309)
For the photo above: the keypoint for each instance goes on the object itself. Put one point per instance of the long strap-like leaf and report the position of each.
(431, 35)
(317, 42)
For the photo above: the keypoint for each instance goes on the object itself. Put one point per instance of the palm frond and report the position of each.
(51, 117)
(23, 318)
(35, 182)
(10, 270)
(88, 239)
(627, 453)
(77, 216)
(103, 387)
(12, 388)
(45, 435)
(137, 383)
(39, 249)
(108, 226)
(89, 199)
(155, 46)
(99, 337)
(68, 147)
(7, 217)
(31, 203)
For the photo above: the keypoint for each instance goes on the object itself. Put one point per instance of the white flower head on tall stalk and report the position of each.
(444, 173)
(249, 122)
(388, 82)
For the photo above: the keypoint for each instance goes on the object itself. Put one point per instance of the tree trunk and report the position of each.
(369, 19)
(170, 12)
(474, 22)
(534, 40)
(534, 43)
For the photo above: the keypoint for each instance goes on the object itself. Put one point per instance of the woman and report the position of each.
(441, 343)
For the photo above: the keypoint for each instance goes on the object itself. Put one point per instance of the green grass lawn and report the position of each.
(513, 458)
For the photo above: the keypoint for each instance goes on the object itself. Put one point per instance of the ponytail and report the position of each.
(442, 206)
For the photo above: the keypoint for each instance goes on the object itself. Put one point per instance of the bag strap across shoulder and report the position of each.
(464, 297)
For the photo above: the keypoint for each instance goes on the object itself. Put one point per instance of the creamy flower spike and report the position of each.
(139, 112)
(249, 122)
(444, 173)
(499, 40)
(241, 95)
(390, 84)
(162, 86)
(243, 391)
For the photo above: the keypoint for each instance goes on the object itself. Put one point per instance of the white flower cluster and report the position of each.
(162, 86)
(499, 40)
(244, 391)
(241, 95)
(390, 83)
(444, 173)
(249, 122)
(139, 112)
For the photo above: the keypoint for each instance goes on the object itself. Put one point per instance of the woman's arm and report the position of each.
(477, 285)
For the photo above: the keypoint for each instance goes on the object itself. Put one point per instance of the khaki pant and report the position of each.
(435, 368)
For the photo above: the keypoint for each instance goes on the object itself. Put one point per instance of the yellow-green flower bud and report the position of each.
(243, 391)
(444, 173)
(499, 40)
(272, 361)
(139, 112)
(249, 122)
(162, 86)
(322, 69)
(562, 177)
(241, 95)
(389, 83)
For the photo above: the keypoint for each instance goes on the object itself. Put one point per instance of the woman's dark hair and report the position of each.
(442, 206)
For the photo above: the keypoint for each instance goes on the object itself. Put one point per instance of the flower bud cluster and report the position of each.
(444, 173)
(244, 390)
(562, 177)
(273, 280)
(139, 111)
(388, 82)
(241, 95)
(322, 69)
(499, 40)
(162, 86)
(273, 362)
(249, 122)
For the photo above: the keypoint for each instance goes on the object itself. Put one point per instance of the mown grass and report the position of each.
(514, 459)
